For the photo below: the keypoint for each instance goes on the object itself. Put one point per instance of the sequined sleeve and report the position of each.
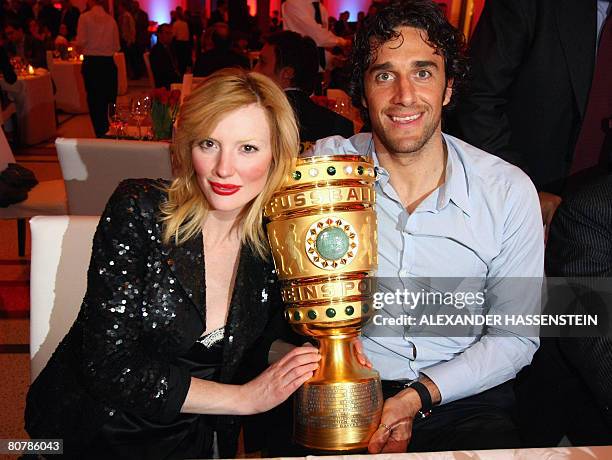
(120, 366)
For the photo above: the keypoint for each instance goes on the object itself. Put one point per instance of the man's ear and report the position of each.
(363, 101)
(287, 74)
(448, 91)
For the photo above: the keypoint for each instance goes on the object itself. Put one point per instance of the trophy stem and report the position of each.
(339, 408)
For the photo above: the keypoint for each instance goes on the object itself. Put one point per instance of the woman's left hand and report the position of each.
(279, 380)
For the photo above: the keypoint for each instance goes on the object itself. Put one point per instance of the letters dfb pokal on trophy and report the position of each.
(322, 231)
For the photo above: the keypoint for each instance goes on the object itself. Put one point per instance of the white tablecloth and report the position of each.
(551, 453)
(33, 96)
(70, 93)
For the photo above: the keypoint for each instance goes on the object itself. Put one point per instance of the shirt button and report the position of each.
(403, 272)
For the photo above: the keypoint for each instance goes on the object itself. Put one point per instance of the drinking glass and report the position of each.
(114, 119)
(140, 108)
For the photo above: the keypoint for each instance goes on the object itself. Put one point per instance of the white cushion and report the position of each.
(61, 249)
(92, 168)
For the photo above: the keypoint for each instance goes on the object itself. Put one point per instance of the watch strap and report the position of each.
(424, 395)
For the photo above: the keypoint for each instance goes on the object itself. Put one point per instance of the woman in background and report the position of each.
(182, 297)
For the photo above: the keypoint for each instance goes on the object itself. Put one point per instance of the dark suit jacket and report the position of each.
(71, 19)
(216, 59)
(164, 71)
(144, 307)
(532, 69)
(50, 17)
(7, 69)
(316, 122)
(570, 379)
(142, 28)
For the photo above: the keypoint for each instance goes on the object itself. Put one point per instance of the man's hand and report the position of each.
(360, 354)
(395, 430)
(548, 204)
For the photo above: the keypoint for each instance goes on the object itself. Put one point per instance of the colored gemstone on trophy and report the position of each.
(332, 243)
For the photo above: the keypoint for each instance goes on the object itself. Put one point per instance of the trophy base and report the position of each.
(339, 408)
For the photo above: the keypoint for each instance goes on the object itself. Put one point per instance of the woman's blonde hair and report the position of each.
(223, 92)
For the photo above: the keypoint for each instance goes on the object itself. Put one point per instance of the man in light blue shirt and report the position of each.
(445, 210)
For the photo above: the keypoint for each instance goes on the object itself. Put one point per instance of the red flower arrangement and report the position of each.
(164, 108)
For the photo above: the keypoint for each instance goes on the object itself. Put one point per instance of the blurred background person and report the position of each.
(127, 34)
(221, 56)
(49, 16)
(182, 40)
(532, 92)
(311, 19)
(143, 39)
(70, 18)
(292, 61)
(98, 38)
(164, 63)
(29, 49)
(220, 14)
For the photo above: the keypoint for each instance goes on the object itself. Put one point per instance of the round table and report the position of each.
(33, 96)
(70, 93)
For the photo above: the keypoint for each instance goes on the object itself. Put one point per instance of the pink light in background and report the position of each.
(252, 7)
(335, 7)
(159, 10)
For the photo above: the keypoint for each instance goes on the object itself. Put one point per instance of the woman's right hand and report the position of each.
(281, 379)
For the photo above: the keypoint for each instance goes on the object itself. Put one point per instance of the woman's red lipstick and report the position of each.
(224, 189)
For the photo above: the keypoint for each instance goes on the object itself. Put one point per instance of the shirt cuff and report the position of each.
(450, 379)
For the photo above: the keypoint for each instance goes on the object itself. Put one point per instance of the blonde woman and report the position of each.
(182, 296)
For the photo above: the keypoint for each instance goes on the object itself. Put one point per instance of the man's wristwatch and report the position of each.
(426, 402)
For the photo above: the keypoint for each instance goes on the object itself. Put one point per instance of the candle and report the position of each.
(70, 49)
(30, 70)
(80, 57)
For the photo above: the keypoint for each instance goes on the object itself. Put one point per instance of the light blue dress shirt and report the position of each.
(484, 223)
(603, 9)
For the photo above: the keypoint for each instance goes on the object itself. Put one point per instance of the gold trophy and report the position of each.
(322, 232)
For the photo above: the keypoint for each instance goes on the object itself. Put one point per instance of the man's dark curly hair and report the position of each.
(382, 27)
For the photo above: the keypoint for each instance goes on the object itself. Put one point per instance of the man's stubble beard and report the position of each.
(400, 147)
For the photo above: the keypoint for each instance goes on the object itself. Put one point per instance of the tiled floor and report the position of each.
(14, 333)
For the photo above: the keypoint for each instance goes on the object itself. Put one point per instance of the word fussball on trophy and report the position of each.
(322, 232)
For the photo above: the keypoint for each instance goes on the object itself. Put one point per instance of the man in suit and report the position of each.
(220, 14)
(570, 379)
(164, 64)
(533, 65)
(221, 56)
(25, 46)
(49, 16)
(70, 16)
(143, 41)
(291, 60)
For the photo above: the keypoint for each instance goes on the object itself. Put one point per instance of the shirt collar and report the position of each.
(456, 183)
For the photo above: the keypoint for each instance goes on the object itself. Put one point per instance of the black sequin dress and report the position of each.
(128, 436)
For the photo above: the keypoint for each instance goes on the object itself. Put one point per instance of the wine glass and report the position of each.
(114, 118)
(140, 108)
